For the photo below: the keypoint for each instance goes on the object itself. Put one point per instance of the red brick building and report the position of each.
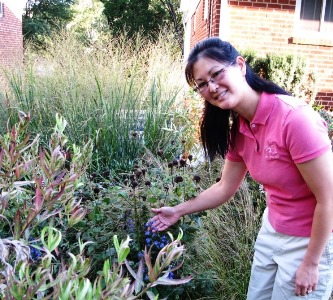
(11, 39)
(303, 27)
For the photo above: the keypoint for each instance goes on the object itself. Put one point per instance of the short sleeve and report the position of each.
(306, 134)
(232, 155)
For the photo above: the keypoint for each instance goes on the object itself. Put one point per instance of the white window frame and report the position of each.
(206, 9)
(310, 33)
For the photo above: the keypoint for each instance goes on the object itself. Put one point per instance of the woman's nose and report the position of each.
(212, 85)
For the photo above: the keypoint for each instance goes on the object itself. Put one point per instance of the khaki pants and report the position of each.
(276, 259)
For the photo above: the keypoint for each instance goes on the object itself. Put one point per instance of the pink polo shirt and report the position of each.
(284, 132)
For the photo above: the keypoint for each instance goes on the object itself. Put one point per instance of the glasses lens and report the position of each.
(203, 88)
(200, 89)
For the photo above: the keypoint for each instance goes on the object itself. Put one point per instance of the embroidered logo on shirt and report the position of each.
(271, 150)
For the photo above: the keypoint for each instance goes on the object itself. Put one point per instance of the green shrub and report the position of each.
(328, 117)
(287, 70)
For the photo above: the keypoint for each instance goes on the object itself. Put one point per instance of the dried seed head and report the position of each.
(196, 178)
(134, 184)
(182, 162)
(179, 179)
(106, 174)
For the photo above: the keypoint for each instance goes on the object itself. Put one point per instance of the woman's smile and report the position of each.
(221, 95)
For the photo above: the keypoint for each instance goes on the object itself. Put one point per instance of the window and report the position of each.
(315, 15)
(1, 9)
(206, 9)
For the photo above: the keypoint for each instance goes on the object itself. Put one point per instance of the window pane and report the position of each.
(329, 11)
(310, 14)
(328, 18)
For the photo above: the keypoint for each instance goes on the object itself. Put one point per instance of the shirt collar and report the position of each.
(263, 111)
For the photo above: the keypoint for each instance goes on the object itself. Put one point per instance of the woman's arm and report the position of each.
(318, 175)
(232, 175)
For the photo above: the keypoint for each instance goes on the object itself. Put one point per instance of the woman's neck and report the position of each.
(248, 107)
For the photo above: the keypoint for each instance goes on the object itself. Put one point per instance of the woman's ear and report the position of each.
(240, 61)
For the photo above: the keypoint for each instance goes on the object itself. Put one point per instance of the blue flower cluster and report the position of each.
(157, 241)
(35, 254)
(154, 238)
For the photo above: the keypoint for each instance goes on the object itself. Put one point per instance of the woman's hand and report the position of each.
(306, 279)
(164, 218)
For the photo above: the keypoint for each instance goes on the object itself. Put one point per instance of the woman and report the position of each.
(284, 145)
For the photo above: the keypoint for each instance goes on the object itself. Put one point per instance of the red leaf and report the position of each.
(38, 199)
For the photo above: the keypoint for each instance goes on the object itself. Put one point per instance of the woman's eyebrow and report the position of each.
(210, 72)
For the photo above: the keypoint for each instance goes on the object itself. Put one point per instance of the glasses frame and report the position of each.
(212, 79)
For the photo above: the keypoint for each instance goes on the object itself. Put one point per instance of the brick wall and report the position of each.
(11, 40)
(267, 26)
(204, 27)
(200, 27)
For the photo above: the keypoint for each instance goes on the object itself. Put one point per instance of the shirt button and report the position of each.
(253, 125)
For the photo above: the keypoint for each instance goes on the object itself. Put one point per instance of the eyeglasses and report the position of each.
(202, 87)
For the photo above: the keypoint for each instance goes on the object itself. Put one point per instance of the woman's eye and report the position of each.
(217, 73)
(201, 85)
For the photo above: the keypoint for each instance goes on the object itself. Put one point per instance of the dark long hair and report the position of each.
(218, 127)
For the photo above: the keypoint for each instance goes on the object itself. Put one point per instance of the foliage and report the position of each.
(147, 17)
(26, 279)
(231, 231)
(38, 203)
(42, 18)
(154, 181)
(327, 116)
(92, 20)
(176, 19)
(114, 94)
(287, 70)
(38, 182)
(89, 22)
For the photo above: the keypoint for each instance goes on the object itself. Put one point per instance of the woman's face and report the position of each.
(221, 84)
